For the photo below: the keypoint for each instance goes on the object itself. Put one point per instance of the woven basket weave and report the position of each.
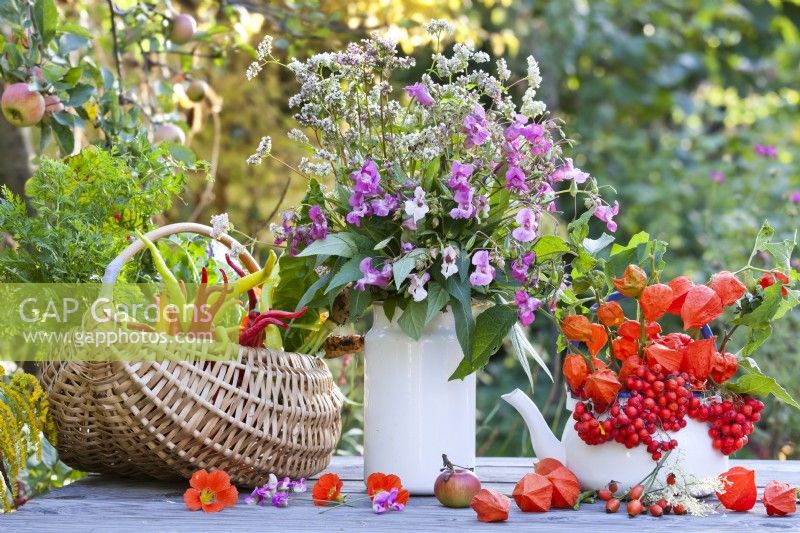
(268, 412)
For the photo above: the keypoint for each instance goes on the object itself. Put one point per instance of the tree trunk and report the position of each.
(15, 153)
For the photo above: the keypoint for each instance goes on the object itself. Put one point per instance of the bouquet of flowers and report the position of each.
(635, 382)
(445, 192)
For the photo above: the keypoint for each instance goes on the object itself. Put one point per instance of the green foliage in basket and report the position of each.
(83, 210)
(24, 420)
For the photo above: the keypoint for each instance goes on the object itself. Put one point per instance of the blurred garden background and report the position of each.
(689, 109)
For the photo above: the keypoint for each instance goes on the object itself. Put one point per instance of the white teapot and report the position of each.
(596, 465)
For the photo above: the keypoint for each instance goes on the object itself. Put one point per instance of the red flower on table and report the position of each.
(327, 490)
(210, 492)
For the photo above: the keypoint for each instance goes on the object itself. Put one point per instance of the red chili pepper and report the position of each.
(286, 315)
(224, 276)
(204, 276)
(251, 294)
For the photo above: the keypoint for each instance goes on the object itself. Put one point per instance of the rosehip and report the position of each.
(612, 505)
(604, 494)
(636, 492)
(656, 510)
(634, 508)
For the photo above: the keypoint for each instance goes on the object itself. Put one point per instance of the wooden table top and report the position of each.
(100, 503)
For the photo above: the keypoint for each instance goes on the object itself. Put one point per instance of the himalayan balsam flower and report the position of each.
(280, 499)
(568, 172)
(384, 206)
(383, 501)
(449, 255)
(319, 224)
(515, 180)
(521, 265)
(420, 93)
(606, 213)
(526, 232)
(367, 180)
(766, 150)
(220, 224)
(475, 127)
(373, 276)
(794, 197)
(416, 286)
(259, 496)
(526, 307)
(716, 176)
(484, 272)
(416, 207)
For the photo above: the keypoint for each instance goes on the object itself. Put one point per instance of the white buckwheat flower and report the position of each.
(439, 26)
(264, 49)
(503, 73)
(297, 136)
(220, 224)
(263, 150)
(236, 250)
(534, 76)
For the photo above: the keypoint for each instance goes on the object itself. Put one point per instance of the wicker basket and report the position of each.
(268, 412)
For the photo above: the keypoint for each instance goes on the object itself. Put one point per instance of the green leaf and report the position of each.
(461, 303)
(311, 291)
(64, 137)
(381, 245)
(75, 29)
(596, 245)
(549, 246)
(640, 238)
(436, 300)
(765, 311)
(45, 17)
(79, 95)
(756, 337)
(491, 327)
(760, 385)
(73, 75)
(578, 229)
(359, 301)
(348, 272)
(412, 321)
(405, 265)
(340, 244)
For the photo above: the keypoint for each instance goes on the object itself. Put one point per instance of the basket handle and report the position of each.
(115, 266)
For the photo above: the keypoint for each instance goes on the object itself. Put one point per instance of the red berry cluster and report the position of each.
(657, 402)
(731, 421)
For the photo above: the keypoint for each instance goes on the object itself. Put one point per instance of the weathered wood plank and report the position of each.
(103, 504)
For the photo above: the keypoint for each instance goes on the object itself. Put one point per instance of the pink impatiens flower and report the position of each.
(484, 272)
(416, 207)
(521, 265)
(373, 276)
(568, 172)
(515, 180)
(606, 213)
(794, 197)
(526, 307)
(416, 286)
(766, 150)
(449, 255)
(526, 232)
(420, 93)
(716, 176)
(475, 127)
(366, 178)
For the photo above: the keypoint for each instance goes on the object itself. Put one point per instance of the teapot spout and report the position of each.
(545, 444)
